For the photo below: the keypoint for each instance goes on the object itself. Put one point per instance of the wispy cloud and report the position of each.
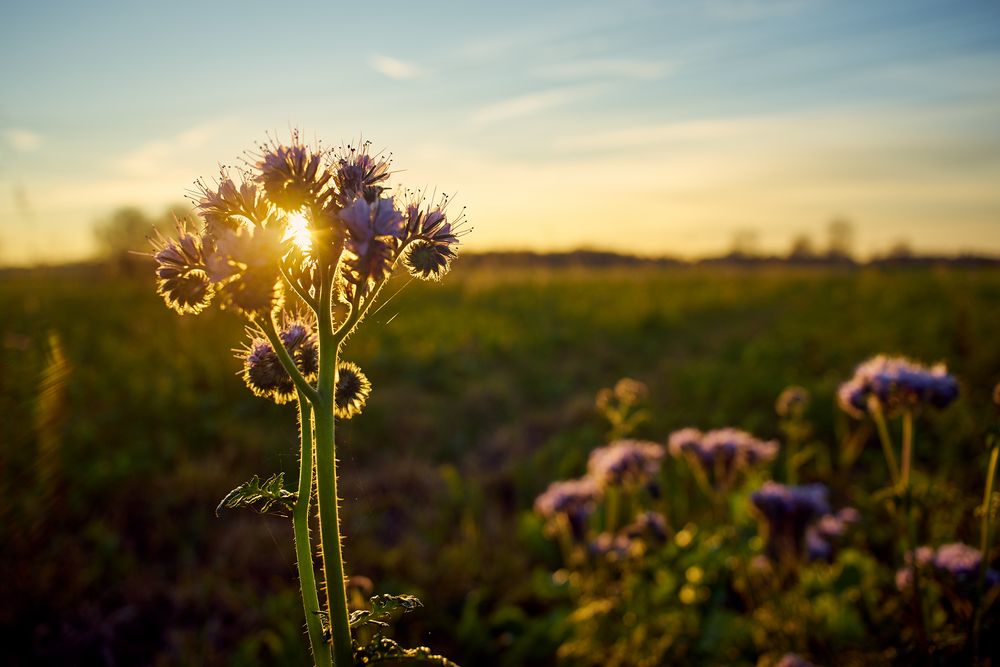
(532, 103)
(664, 133)
(151, 157)
(395, 68)
(21, 140)
(616, 68)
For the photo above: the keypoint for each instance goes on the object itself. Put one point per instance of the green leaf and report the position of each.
(384, 651)
(382, 609)
(262, 497)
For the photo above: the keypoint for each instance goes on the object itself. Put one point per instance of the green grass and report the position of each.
(483, 393)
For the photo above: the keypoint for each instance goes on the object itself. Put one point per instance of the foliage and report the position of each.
(263, 497)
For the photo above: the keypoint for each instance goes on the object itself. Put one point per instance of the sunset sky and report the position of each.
(656, 128)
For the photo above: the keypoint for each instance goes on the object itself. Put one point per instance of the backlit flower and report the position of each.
(896, 384)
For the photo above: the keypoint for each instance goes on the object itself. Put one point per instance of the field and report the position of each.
(124, 425)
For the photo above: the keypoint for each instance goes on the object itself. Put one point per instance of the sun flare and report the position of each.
(298, 231)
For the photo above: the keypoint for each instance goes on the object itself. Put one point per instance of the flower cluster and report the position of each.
(575, 499)
(896, 384)
(788, 511)
(625, 462)
(722, 454)
(956, 562)
(333, 206)
(626, 392)
(263, 372)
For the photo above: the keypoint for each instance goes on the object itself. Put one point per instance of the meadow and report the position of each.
(124, 425)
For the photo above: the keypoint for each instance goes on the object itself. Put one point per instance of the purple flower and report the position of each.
(647, 524)
(793, 660)
(574, 498)
(897, 384)
(625, 462)
(957, 559)
(788, 511)
(722, 453)
(958, 563)
(359, 174)
(293, 176)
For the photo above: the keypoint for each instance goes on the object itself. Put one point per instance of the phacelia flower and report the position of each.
(180, 272)
(958, 564)
(723, 454)
(292, 176)
(299, 339)
(625, 462)
(358, 174)
(263, 373)
(788, 511)
(230, 206)
(246, 262)
(897, 384)
(792, 402)
(351, 390)
(374, 231)
(611, 546)
(647, 525)
(574, 498)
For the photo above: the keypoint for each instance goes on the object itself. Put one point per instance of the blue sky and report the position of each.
(635, 126)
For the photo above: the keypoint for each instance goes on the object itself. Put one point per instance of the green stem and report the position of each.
(907, 448)
(303, 546)
(911, 526)
(883, 435)
(301, 384)
(326, 482)
(985, 545)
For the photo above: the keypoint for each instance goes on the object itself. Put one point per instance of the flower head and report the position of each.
(293, 176)
(373, 232)
(788, 511)
(299, 337)
(230, 206)
(351, 390)
(625, 462)
(358, 174)
(575, 499)
(793, 660)
(722, 454)
(896, 384)
(180, 272)
(263, 373)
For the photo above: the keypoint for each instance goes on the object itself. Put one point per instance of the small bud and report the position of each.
(792, 402)
(351, 391)
(263, 373)
(428, 260)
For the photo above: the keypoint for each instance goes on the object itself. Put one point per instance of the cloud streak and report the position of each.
(394, 68)
(529, 104)
(614, 68)
(22, 140)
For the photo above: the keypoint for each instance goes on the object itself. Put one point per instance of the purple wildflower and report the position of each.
(263, 373)
(722, 453)
(789, 510)
(822, 536)
(647, 524)
(180, 272)
(293, 176)
(300, 340)
(574, 498)
(897, 384)
(358, 174)
(612, 547)
(625, 462)
(374, 231)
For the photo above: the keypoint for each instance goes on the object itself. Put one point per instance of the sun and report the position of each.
(298, 231)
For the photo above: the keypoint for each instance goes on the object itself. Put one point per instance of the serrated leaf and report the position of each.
(384, 651)
(386, 604)
(262, 497)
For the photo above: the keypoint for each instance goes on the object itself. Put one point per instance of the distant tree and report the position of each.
(124, 233)
(745, 243)
(802, 248)
(840, 233)
(901, 249)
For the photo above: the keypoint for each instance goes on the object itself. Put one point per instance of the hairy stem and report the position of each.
(883, 435)
(911, 526)
(326, 481)
(985, 545)
(303, 546)
(301, 385)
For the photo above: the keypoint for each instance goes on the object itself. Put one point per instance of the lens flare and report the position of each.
(298, 231)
